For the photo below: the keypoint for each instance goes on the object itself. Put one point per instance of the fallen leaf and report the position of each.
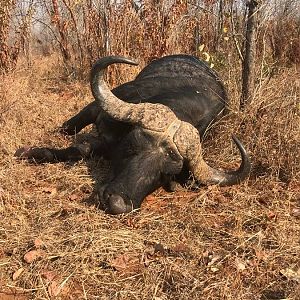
(74, 197)
(75, 290)
(271, 215)
(213, 259)
(261, 255)
(48, 275)
(38, 243)
(295, 212)
(17, 274)
(154, 249)
(13, 296)
(1, 191)
(33, 255)
(240, 265)
(291, 274)
(57, 285)
(207, 56)
(201, 47)
(54, 289)
(120, 262)
(214, 269)
(181, 247)
(154, 203)
(131, 222)
(126, 263)
(150, 198)
(50, 190)
(66, 95)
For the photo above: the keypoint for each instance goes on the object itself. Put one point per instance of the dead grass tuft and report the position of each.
(239, 242)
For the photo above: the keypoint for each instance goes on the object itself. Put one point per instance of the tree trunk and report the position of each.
(249, 56)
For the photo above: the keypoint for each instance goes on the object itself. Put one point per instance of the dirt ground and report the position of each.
(240, 242)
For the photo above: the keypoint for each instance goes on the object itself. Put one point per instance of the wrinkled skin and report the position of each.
(142, 165)
(141, 162)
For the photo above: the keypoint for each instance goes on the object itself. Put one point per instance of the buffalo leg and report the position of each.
(85, 117)
(76, 152)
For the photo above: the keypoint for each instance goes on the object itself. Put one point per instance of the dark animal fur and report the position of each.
(141, 164)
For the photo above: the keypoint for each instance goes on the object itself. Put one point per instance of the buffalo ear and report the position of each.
(169, 185)
(172, 167)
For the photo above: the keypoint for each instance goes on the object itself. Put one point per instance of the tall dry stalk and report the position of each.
(7, 56)
(61, 27)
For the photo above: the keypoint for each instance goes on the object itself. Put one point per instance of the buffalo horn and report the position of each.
(147, 115)
(160, 118)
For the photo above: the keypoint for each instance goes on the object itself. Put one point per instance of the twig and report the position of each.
(236, 42)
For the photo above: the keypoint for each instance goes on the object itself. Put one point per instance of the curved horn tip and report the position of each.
(228, 178)
(240, 147)
(246, 161)
(108, 60)
(237, 141)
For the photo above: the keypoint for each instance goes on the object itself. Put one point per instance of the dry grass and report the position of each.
(238, 242)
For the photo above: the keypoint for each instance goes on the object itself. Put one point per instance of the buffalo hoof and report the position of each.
(36, 154)
(66, 129)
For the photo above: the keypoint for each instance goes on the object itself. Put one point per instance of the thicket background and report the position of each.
(82, 31)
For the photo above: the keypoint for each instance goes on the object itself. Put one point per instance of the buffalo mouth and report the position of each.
(114, 203)
(161, 120)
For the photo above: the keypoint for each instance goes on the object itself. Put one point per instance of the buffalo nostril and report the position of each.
(117, 205)
(106, 196)
(101, 190)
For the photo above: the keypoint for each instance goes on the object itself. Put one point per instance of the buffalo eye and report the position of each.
(173, 164)
(171, 154)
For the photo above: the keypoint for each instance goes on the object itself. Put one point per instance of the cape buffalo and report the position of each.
(150, 128)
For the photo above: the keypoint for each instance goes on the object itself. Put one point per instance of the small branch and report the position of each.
(234, 34)
(205, 10)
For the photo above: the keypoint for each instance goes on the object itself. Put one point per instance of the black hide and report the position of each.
(142, 164)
